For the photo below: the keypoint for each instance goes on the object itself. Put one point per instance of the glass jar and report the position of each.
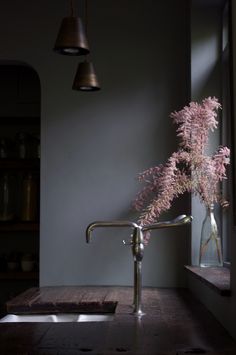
(210, 245)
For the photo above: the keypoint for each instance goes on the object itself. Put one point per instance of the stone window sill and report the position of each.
(218, 278)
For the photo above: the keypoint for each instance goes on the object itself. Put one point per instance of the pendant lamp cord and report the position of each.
(86, 17)
(86, 23)
(72, 8)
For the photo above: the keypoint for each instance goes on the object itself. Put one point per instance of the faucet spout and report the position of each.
(102, 224)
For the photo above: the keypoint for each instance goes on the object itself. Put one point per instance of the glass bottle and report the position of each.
(29, 201)
(21, 145)
(3, 148)
(6, 198)
(210, 245)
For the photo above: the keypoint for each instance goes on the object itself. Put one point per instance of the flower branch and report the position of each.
(188, 169)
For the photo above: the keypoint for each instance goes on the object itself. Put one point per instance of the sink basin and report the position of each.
(56, 318)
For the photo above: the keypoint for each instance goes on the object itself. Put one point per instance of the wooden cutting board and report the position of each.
(63, 299)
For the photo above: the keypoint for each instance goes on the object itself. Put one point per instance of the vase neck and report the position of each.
(210, 208)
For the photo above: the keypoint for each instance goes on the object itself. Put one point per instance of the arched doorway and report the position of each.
(19, 179)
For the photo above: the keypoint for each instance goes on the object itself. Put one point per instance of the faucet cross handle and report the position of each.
(178, 221)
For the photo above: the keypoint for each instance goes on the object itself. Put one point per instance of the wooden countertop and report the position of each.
(174, 324)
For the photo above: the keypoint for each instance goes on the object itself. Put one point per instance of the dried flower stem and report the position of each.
(189, 169)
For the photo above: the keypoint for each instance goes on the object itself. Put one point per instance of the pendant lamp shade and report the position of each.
(85, 78)
(71, 39)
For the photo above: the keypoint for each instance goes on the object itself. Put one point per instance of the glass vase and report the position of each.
(210, 246)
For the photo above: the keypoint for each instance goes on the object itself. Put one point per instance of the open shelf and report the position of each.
(19, 164)
(27, 120)
(19, 226)
(19, 275)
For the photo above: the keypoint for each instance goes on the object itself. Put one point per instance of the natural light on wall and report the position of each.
(206, 44)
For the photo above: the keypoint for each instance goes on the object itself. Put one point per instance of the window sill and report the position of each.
(218, 278)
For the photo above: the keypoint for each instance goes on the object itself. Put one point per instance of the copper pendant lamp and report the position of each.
(71, 39)
(85, 78)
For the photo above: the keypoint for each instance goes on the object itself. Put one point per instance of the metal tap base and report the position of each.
(137, 245)
(138, 314)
